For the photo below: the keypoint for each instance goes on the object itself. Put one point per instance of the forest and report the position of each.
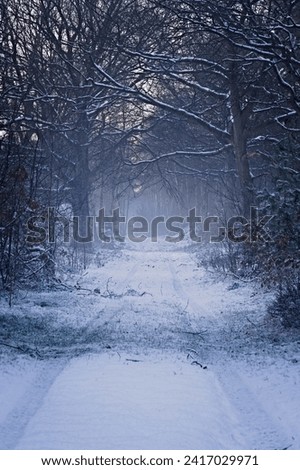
(149, 225)
(154, 106)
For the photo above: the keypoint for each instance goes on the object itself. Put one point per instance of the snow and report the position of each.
(14, 381)
(276, 388)
(150, 352)
(132, 405)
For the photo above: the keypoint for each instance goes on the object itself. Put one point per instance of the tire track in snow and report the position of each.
(258, 427)
(194, 311)
(13, 427)
(109, 318)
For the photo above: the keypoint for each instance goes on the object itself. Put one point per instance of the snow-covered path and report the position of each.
(159, 374)
(102, 402)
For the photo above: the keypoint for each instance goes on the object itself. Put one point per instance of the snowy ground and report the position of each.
(149, 352)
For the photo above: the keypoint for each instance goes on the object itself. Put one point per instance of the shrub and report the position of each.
(286, 305)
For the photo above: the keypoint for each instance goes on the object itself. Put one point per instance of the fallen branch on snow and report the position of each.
(26, 350)
(196, 363)
(231, 274)
(196, 333)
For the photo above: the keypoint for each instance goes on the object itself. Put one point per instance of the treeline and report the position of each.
(110, 97)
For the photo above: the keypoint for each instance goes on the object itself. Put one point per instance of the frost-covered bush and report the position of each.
(225, 257)
(286, 305)
(280, 259)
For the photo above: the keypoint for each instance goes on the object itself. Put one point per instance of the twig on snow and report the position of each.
(196, 363)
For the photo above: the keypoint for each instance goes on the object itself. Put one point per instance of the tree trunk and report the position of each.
(239, 137)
